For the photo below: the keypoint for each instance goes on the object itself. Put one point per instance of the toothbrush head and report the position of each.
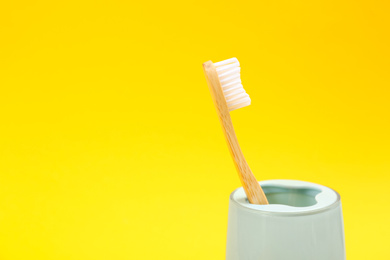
(229, 76)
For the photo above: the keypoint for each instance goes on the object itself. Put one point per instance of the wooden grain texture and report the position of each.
(252, 188)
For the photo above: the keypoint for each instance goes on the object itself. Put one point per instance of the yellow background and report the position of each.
(110, 147)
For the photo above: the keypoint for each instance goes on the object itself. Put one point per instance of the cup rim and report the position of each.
(267, 210)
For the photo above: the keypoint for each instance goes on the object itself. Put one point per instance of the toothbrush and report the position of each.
(228, 94)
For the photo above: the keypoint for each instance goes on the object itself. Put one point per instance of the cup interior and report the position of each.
(295, 197)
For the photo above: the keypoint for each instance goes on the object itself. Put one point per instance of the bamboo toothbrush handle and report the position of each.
(252, 188)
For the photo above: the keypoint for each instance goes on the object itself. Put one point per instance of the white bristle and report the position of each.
(229, 75)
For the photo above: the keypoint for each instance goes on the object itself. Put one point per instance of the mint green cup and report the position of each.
(303, 221)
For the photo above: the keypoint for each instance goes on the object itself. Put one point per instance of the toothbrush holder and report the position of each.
(303, 221)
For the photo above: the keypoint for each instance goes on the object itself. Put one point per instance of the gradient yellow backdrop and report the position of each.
(110, 147)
